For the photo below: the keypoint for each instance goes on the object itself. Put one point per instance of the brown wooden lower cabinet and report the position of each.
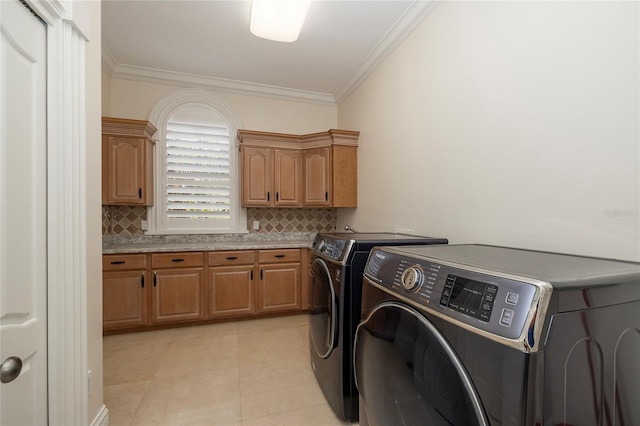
(124, 291)
(124, 299)
(279, 288)
(141, 291)
(231, 291)
(177, 295)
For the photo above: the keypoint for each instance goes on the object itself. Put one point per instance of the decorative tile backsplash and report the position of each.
(126, 220)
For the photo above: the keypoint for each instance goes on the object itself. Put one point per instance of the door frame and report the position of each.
(68, 29)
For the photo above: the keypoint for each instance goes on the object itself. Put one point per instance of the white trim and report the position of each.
(102, 418)
(129, 72)
(403, 27)
(159, 116)
(66, 212)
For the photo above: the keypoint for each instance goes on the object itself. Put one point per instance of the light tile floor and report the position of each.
(246, 373)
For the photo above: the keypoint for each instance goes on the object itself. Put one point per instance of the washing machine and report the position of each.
(484, 335)
(335, 289)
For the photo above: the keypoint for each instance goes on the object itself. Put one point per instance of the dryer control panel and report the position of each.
(496, 304)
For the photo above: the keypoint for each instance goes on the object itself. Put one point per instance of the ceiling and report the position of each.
(207, 43)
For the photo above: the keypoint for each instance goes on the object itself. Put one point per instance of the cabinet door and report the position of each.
(288, 177)
(257, 177)
(317, 173)
(177, 295)
(231, 291)
(279, 288)
(124, 299)
(124, 169)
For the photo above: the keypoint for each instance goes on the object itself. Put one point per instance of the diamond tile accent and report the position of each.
(123, 220)
(292, 220)
(126, 220)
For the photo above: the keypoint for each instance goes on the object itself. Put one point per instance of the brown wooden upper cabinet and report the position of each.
(314, 170)
(127, 162)
(271, 177)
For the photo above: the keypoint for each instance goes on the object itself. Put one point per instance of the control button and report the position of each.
(486, 306)
(512, 298)
(412, 278)
(492, 289)
(506, 317)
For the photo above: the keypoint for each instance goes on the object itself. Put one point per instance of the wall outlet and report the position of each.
(404, 231)
(144, 225)
(256, 224)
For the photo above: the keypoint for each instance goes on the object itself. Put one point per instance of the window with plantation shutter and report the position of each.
(197, 171)
(196, 166)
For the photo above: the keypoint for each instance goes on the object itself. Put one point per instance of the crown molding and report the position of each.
(404, 26)
(129, 72)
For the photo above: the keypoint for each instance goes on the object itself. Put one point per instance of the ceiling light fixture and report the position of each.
(278, 20)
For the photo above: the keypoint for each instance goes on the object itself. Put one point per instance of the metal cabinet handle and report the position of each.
(277, 196)
(155, 279)
(177, 260)
(252, 275)
(268, 196)
(10, 369)
(142, 280)
(279, 256)
(260, 273)
(140, 193)
(118, 262)
(326, 196)
(231, 257)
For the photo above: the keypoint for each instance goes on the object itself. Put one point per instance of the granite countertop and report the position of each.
(116, 244)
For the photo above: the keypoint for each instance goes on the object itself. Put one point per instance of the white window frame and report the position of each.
(159, 116)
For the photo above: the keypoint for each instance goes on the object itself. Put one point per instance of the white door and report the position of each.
(23, 209)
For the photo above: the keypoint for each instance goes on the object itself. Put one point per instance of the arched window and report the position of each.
(196, 165)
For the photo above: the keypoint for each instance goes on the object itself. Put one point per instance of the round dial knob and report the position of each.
(412, 278)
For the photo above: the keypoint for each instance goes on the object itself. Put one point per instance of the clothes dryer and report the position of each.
(483, 335)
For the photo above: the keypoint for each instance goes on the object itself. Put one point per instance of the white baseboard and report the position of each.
(102, 418)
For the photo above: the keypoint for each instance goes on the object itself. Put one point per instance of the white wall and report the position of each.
(93, 184)
(106, 93)
(510, 123)
(135, 99)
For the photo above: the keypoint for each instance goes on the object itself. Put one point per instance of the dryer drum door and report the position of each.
(408, 374)
(323, 309)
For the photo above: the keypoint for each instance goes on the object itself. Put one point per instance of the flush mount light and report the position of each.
(278, 20)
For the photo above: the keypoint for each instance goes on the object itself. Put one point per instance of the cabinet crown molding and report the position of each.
(128, 127)
(311, 140)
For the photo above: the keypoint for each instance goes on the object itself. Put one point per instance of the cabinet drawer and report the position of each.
(230, 258)
(123, 262)
(176, 260)
(279, 256)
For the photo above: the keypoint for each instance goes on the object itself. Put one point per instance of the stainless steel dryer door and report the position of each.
(408, 374)
(323, 308)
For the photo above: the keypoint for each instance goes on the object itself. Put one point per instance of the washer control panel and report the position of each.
(492, 303)
(331, 248)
